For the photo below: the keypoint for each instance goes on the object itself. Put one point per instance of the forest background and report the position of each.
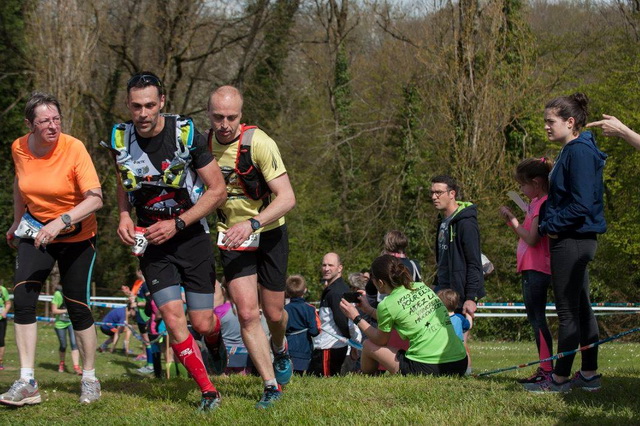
(367, 101)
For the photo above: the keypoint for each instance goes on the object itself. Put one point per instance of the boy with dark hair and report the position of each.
(303, 324)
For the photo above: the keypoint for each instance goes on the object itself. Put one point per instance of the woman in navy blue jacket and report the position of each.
(573, 219)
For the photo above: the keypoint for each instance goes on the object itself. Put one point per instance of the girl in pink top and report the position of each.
(533, 256)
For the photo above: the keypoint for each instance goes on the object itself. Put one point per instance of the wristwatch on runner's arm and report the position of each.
(66, 219)
(180, 225)
(255, 225)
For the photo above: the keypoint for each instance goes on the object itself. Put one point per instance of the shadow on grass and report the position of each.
(174, 389)
(48, 366)
(617, 395)
(129, 365)
(615, 403)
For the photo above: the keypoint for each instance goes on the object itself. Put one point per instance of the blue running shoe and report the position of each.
(209, 402)
(282, 365)
(269, 397)
(548, 386)
(592, 384)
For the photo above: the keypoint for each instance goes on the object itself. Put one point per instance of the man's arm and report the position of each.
(474, 280)
(214, 196)
(126, 228)
(341, 320)
(284, 201)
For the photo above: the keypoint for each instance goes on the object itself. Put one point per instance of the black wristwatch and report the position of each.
(180, 225)
(255, 225)
(357, 319)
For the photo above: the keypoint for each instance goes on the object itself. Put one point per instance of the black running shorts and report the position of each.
(269, 261)
(186, 260)
(410, 367)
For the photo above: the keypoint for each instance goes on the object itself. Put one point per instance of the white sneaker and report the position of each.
(147, 369)
(22, 392)
(89, 391)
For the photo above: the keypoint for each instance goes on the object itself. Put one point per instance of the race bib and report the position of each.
(250, 244)
(28, 227)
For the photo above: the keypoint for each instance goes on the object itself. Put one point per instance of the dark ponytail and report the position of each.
(392, 271)
(576, 106)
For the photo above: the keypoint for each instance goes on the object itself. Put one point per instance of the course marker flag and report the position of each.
(560, 355)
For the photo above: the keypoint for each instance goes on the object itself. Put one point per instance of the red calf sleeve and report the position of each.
(189, 355)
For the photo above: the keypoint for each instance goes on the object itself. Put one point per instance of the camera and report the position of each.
(352, 297)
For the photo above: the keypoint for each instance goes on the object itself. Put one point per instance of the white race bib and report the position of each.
(250, 244)
(28, 227)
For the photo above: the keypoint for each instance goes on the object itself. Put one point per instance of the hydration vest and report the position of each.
(251, 180)
(123, 134)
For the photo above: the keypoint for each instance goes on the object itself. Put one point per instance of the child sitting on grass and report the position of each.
(461, 323)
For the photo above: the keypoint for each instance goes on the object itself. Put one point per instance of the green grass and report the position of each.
(354, 399)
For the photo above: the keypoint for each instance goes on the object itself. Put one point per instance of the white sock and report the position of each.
(280, 349)
(89, 375)
(26, 374)
(271, 382)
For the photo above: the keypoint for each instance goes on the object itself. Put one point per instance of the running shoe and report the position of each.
(539, 376)
(593, 384)
(89, 391)
(548, 386)
(269, 397)
(101, 349)
(282, 365)
(61, 367)
(147, 369)
(141, 357)
(209, 402)
(22, 392)
(1, 367)
(78, 370)
(217, 355)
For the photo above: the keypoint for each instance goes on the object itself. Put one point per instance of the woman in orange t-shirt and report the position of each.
(56, 192)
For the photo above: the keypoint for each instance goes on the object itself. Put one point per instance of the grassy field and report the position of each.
(131, 399)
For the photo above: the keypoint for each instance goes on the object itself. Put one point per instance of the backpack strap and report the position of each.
(120, 141)
(175, 174)
(184, 132)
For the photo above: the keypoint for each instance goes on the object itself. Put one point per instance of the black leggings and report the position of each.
(75, 261)
(570, 277)
(3, 331)
(534, 290)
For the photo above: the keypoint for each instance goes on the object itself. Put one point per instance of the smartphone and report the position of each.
(351, 297)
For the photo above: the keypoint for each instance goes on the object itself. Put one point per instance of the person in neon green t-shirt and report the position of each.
(62, 326)
(417, 314)
(5, 306)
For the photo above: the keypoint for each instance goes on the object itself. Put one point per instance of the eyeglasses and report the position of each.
(45, 123)
(438, 194)
(142, 80)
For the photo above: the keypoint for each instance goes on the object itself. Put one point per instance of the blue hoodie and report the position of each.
(575, 204)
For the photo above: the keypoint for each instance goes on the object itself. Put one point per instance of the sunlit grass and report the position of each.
(354, 399)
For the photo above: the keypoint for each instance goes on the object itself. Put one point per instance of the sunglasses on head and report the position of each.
(143, 80)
